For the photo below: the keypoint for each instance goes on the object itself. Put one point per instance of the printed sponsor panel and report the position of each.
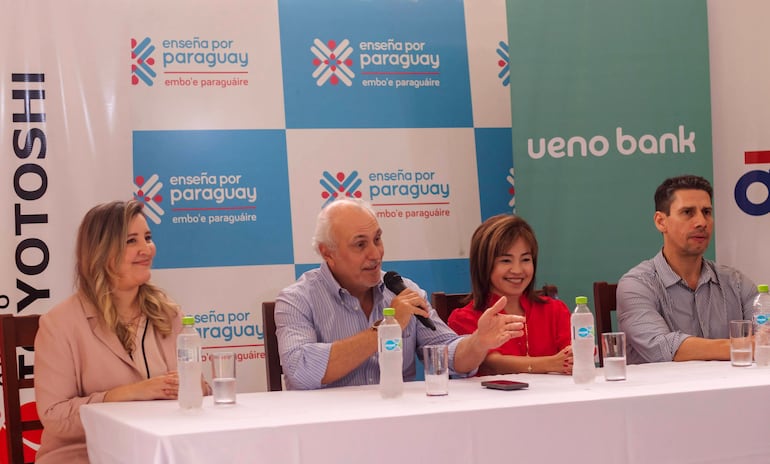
(197, 71)
(215, 198)
(494, 161)
(741, 140)
(56, 132)
(602, 112)
(434, 275)
(420, 182)
(488, 62)
(53, 147)
(348, 63)
(227, 305)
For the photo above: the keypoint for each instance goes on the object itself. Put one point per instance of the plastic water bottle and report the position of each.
(582, 321)
(188, 364)
(390, 355)
(761, 307)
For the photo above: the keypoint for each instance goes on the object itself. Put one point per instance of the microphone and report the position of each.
(395, 284)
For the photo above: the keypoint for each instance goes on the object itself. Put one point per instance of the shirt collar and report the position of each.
(669, 277)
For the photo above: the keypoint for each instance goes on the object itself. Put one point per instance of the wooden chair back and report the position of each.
(16, 331)
(273, 368)
(604, 304)
(445, 303)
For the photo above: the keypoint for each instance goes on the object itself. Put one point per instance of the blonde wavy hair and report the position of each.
(101, 243)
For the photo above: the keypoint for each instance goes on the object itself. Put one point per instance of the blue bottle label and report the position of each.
(393, 344)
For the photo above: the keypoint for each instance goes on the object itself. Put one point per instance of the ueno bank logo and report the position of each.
(142, 62)
(749, 179)
(334, 186)
(504, 63)
(332, 62)
(147, 192)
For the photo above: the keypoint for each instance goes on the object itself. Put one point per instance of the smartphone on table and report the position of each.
(504, 384)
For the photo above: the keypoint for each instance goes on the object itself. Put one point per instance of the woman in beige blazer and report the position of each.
(113, 340)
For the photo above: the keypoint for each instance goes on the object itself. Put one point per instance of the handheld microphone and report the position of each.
(395, 284)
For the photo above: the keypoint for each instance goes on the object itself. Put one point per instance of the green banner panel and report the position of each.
(608, 99)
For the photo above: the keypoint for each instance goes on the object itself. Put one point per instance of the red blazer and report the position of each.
(548, 326)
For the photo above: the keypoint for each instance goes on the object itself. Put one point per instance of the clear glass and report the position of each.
(436, 363)
(614, 354)
(740, 343)
(223, 377)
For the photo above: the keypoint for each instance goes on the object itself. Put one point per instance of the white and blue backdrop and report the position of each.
(236, 121)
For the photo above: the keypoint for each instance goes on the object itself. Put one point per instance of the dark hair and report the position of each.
(491, 239)
(664, 194)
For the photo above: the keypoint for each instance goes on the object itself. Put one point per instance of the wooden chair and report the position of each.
(273, 362)
(549, 291)
(16, 331)
(445, 303)
(604, 304)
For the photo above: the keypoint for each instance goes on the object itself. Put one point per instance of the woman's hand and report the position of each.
(561, 362)
(162, 387)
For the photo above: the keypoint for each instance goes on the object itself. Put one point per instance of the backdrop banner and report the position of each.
(236, 122)
(608, 99)
(740, 95)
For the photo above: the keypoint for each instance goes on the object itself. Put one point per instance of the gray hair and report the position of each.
(323, 224)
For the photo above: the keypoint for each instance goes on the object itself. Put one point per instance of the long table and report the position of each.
(694, 412)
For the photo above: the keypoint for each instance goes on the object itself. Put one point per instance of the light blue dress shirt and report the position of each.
(315, 311)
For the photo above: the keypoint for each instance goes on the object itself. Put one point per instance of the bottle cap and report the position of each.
(188, 320)
(581, 300)
(762, 288)
(388, 312)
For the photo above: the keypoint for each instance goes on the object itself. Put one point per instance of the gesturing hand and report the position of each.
(495, 328)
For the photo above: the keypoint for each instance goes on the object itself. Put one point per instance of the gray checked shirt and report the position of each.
(657, 309)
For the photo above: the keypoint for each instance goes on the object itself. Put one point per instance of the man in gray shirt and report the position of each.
(677, 306)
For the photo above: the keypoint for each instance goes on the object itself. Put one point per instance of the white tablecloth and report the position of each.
(695, 412)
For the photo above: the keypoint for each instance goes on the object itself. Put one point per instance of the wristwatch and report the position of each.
(375, 325)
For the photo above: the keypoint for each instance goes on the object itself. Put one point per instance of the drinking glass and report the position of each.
(740, 343)
(614, 353)
(223, 377)
(436, 362)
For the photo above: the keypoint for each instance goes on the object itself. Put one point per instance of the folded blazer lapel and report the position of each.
(104, 334)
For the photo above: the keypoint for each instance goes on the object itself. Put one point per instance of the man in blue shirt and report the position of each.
(678, 306)
(326, 321)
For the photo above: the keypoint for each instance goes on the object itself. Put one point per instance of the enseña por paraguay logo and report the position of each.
(332, 62)
(504, 63)
(147, 191)
(142, 62)
(335, 186)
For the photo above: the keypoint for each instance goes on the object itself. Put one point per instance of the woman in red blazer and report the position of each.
(503, 261)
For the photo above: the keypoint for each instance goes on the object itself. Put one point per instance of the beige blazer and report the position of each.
(77, 360)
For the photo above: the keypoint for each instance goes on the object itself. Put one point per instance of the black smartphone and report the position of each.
(504, 384)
